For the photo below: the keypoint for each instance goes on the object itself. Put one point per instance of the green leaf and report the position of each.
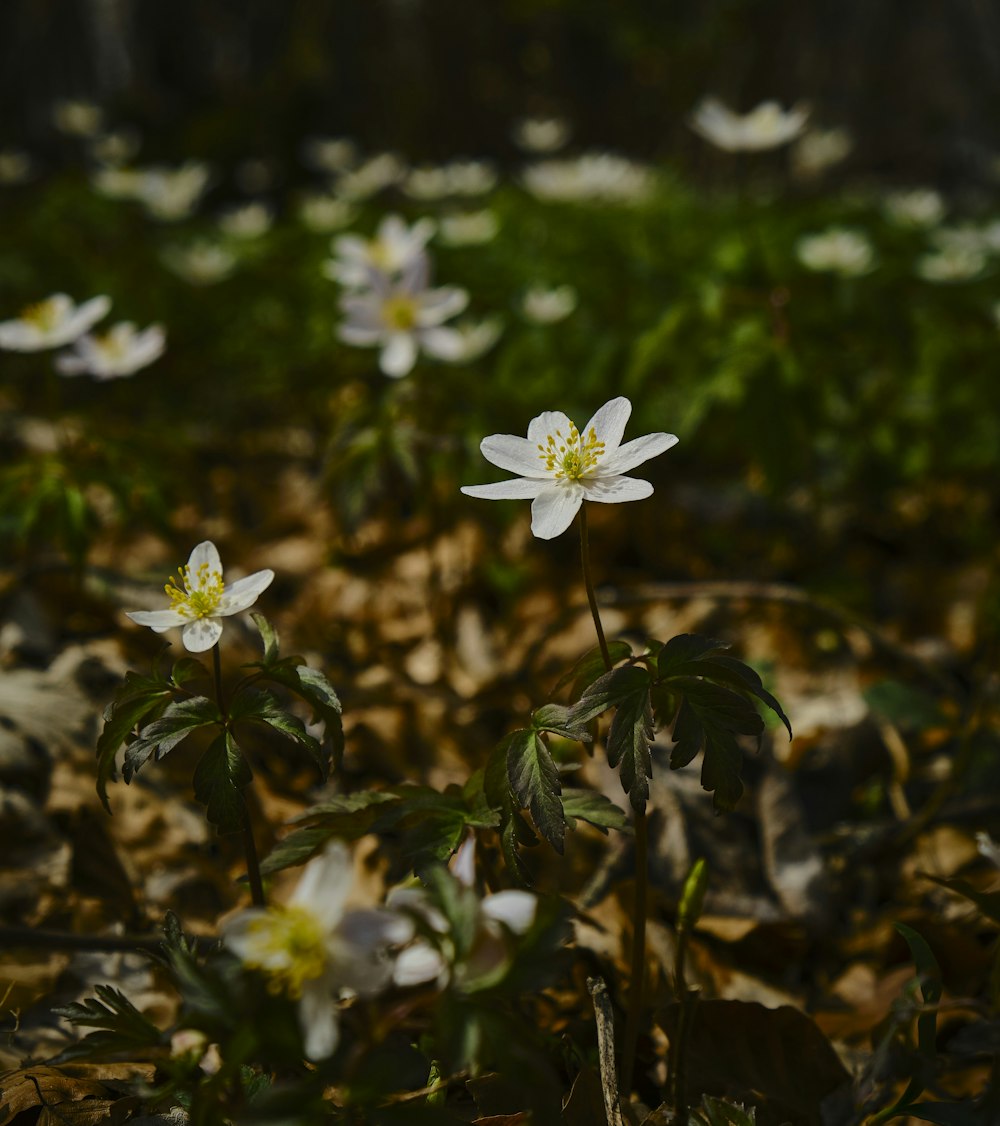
(744, 677)
(176, 723)
(590, 666)
(313, 687)
(630, 737)
(122, 1028)
(683, 648)
(515, 832)
(347, 817)
(595, 809)
(138, 698)
(219, 779)
(268, 635)
(186, 669)
(557, 719)
(264, 708)
(534, 781)
(608, 691)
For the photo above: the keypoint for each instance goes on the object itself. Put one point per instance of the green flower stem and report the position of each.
(249, 844)
(638, 959)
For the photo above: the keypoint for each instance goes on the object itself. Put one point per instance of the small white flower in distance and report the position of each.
(329, 154)
(170, 194)
(471, 339)
(77, 118)
(116, 148)
(393, 249)
(325, 213)
(427, 183)
(51, 323)
(767, 126)
(249, 221)
(560, 467)
(121, 351)
(402, 317)
(200, 262)
(470, 177)
(593, 177)
(953, 263)
(118, 183)
(819, 149)
(312, 949)
(541, 134)
(915, 207)
(547, 306)
(468, 228)
(16, 167)
(838, 250)
(368, 179)
(199, 600)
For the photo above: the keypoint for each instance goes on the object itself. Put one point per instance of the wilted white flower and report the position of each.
(541, 134)
(393, 248)
(199, 599)
(173, 193)
(468, 228)
(471, 339)
(952, 263)
(16, 167)
(838, 250)
(329, 154)
(767, 126)
(313, 949)
(591, 177)
(121, 351)
(77, 118)
(249, 221)
(325, 213)
(560, 467)
(546, 306)
(916, 207)
(816, 150)
(200, 262)
(51, 323)
(115, 148)
(403, 317)
(371, 177)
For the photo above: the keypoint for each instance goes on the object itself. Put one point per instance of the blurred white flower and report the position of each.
(329, 154)
(560, 467)
(988, 847)
(916, 207)
(248, 221)
(816, 150)
(599, 176)
(115, 148)
(402, 317)
(470, 177)
(77, 118)
(546, 306)
(118, 183)
(121, 351)
(952, 263)
(199, 599)
(471, 339)
(170, 194)
(371, 177)
(16, 167)
(541, 135)
(200, 262)
(468, 228)
(427, 183)
(313, 949)
(51, 323)
(325, 213)
(393, 248)
(767, 126)
(838, 250)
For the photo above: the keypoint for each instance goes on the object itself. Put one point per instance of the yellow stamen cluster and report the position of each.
(41, 314)
(572, 457)
(289, 948)
(399, 313)
(199, 599)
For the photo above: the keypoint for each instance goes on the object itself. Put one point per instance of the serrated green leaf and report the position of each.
(313, 687)
(556, 718)
(138, 698)
(262, 707)
(268, 636)
(186, 669)
(534, 781)
(590, 666)
(748, 679)
(595, 809)
(683, 648)
(219, 779)
(608, 691)
(179, 719)
(298, 847)
(709, 718)
(629, 740)
(122, 1027)
(510, 843)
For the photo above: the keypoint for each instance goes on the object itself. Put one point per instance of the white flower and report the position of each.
(118, 183)
(249, 221)
(819, 149)
(170, 194)
(953, 263)
(541, 134)
(547, 306)
(427, 183)
(469, 228)
(472, 339)
(16, 166)
(200, 262)
(560, 467)
(470, 177)
(199, 599)
(312, 949)
(767, 126)
(51, 323)
(838, 250)
(116, 148)
(121, 351)
(393, 249)
(917, 207)
(600, 176)
(329, 154)
(325, 213)
(403, 317)
(368, 179)
(77, 118)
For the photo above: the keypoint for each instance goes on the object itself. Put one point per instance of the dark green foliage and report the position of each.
(122, 1029)
(219, 779)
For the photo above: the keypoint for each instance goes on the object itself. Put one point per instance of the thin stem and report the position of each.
(217, 666)
(589, 584)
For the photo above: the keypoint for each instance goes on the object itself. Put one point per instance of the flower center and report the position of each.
(399, 313)
(572, 457)
(289, 948)
(42, 315)
(197, 598)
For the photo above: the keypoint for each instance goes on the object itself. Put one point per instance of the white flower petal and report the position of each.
(325, 884)
(552, 511)
(548, 422)
(241, 932)
(609, 424)
(319, 1020)
(418, 964)
(206, 555)
(159, 621)
(516, 455)
(521, 488)
(616, 490)
(244, 592)
(443, 343)
(398, 355)
(375, 927)
(463, 864)
(200, 635)
(514, 908)
(358, 335)
(636, 452)
(437, 305)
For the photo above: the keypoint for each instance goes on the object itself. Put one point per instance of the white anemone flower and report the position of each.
(77, 118)
(472, 339)
(547, 306)
(952, 263)
(16, 167)
(915, 207)
(560, 467)
(838, 250)
(199, 600)
(329, 154)
(312, 949)
(402, 317)
(593, 177)
(51, 323)
(541, 135)
(819, 149)
(369, 178)
(427, 183)
(470, 177)
(767, 126)
(325, 213)
(200, 262)
(394, 247)
(170, 194)
(116, 148)
(469, 228)
(247, 221)
(122, 350)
